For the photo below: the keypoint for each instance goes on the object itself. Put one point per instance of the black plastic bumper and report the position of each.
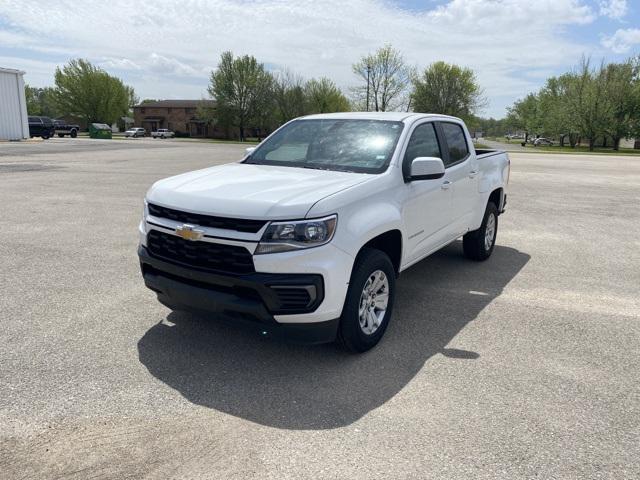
(249, 299)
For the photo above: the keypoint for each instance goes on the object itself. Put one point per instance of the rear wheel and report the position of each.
(369, 304)
(45, 137)
(74, 133)
(478, 245)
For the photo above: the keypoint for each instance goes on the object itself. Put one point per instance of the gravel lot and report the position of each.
(525, 366)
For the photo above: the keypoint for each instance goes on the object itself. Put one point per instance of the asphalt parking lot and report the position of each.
(524, 366)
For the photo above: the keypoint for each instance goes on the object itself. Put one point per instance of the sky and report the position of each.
(167, 49)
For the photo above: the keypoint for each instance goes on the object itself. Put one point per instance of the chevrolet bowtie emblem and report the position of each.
(189, 232)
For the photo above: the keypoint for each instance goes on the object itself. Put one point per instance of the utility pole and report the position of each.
(368, 67)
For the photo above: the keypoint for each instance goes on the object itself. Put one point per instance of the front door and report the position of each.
(427, 208)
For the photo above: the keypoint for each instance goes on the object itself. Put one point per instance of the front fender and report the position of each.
(364, 212)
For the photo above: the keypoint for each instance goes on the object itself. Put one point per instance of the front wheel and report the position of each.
(367, 309)
(45, 137)
(74, 134)
(478, 244)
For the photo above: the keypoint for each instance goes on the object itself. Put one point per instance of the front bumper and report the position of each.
(252, 300)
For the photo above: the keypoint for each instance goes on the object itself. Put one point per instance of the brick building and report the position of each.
(178, 115)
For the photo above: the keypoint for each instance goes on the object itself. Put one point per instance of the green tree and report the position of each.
(622, 93)
(289, 96)
(41, 101)
(555, 116)
(386, 78)
(586, 99)
(241, 87)
(447, 89)
(524, 115)
(323, 96)
(86, 91)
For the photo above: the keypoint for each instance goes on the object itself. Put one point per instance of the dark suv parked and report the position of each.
(41, 127)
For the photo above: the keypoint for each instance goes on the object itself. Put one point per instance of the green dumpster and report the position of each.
(99, 130)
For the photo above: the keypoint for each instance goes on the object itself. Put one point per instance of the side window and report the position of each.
(423, 143)
(456, 141)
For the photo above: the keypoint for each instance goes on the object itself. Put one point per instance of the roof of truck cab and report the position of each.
(390, 116)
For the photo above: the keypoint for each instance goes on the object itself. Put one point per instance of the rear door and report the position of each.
(427, 209)
(462, 170)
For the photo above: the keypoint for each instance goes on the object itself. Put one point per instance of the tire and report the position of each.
(45, 137)
(372, 266)
(479, 244)
(74, 133)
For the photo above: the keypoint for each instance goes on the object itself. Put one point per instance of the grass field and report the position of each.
(580, 149)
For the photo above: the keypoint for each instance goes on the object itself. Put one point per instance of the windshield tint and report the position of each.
(337, 144)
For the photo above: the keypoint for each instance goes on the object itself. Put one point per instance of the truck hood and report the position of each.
(251, 191)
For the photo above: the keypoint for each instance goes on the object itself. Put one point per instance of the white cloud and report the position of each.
(120, 64)
(615, 9)
(623, 40)
(169, 51)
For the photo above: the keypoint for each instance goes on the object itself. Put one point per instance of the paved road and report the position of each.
(525, 366)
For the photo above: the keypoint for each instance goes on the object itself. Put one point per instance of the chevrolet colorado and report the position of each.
(306, 235)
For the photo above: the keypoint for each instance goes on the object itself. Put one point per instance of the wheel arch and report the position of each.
(496, 197)
(390, 243)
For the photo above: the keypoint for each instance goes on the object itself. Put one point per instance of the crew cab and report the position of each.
(305, 235)
(135, 132)
(41, 127)
(163, 133)
(63, 128)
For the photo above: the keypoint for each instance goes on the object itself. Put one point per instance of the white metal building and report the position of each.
(14, 124)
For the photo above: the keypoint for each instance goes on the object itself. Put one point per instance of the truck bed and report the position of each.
(483, 152)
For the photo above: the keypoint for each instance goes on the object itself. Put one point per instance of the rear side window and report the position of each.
(456, 141)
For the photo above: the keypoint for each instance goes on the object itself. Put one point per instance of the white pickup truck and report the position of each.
(305, 236)
(163, 133)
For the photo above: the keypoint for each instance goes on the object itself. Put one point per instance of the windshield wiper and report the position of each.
(315, 167)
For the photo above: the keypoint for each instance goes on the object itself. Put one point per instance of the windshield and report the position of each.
(364, 146)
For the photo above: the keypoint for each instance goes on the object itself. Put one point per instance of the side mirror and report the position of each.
(426, 168)
(249, 150)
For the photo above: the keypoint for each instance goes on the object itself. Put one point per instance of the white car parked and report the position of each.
(163, 133)
(306, 235)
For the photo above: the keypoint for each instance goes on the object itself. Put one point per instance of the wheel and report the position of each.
(478, 244)
(369, 303)
(45, 137)
(74, 133)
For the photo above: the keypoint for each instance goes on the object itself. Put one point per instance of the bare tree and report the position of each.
(386, 80)
(288, 95)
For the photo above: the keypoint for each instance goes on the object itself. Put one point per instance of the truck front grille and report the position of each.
(237, 224)
(216, 257)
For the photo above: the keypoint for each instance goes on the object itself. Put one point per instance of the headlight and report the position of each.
(296, 235)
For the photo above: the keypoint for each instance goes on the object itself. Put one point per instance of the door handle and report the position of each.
(472, 173)
(445, 185)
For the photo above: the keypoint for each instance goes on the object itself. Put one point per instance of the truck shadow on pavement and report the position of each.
(217, 365)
